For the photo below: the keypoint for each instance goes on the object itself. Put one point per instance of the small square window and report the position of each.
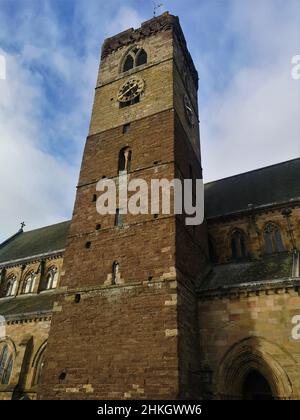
(126, 128)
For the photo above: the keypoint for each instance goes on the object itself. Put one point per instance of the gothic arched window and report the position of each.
(51, 278)
(124, 159)
(11, 286)
(39, 365)
(129, 63)
(6, 364)
(29, 283)
(141, 57)
(119, 217)
(272, 238)
(238, 245)
(135, 57)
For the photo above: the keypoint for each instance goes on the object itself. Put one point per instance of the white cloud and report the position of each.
(41, 146)
(125, 18)
(35, 186)
(254, 121)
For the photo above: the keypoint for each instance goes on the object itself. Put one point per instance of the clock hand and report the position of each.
(128, 90)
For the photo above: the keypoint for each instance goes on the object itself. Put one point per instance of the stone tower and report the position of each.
(125, 325)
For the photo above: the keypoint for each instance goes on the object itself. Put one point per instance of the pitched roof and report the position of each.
(266, 186)
(45, 240)
(269, 268)
(24, 305)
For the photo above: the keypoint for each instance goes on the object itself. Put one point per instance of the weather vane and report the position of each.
(23, 225)
(156, 6)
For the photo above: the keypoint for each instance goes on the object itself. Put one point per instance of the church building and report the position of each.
(125, 306)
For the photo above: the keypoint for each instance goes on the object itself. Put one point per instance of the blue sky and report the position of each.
(249, 104)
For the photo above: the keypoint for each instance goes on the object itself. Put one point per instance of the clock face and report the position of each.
(131, 89)
(189, 110)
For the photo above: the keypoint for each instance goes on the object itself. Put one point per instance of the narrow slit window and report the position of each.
(126, 128)
(124, 163)
(118, 218)
(115, 272)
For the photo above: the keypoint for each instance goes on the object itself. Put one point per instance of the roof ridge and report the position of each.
(48, 226)
(11, 238)
(252, 170)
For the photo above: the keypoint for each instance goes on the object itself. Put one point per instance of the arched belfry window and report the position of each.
(11, 286)
(124, 163)
(238, 245)
(135, 57)
(128, 63)
(272, 239)
(141, 57)
(6, 364)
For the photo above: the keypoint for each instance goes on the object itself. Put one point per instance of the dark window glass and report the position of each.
(118, 218)
(238, 245)
(141, 58)
(128, 64)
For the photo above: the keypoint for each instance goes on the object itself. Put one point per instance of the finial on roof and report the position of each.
(23, 224)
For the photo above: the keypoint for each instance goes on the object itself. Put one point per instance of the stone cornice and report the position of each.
(244, 290)
(29, 317)
(32, 259)
(254, 210)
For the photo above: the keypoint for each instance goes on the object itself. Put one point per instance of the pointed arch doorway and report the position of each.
(250, 370)
(256, 387)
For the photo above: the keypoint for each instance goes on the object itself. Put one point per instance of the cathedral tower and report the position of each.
(125, 325)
